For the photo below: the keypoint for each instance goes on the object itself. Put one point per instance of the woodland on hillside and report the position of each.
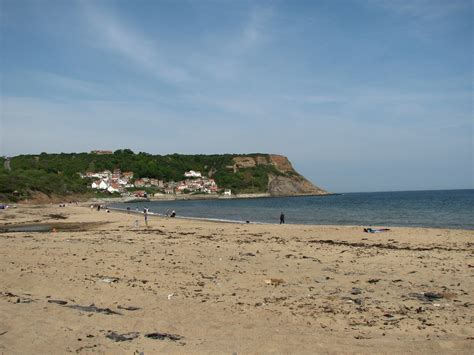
(59, 173)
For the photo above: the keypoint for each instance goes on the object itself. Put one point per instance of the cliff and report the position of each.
(285, 181)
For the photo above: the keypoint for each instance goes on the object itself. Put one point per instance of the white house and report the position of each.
(103, 185)
(112, 189)
(100, 184)
(192, 173)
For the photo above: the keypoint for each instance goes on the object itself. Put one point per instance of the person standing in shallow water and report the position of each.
(282, 218)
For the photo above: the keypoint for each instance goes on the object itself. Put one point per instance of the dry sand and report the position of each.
(228, 288)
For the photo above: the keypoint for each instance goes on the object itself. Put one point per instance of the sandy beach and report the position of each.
(99, 283)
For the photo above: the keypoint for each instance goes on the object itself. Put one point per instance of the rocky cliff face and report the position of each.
(286, 181)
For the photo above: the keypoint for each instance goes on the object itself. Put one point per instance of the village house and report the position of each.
(118, 181)
(99, 175)
(142, 183)
(169, 190)
(102, 152)
(193, 174)
(156, 182)
(100, 185)
(127, 175)
(140, 193)
(106, 180)
(196, 185)
(114, 187)
(123, 183)
(117, 174)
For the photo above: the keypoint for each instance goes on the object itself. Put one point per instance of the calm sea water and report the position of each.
(449, 208)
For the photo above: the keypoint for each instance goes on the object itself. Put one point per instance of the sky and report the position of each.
(360, 95)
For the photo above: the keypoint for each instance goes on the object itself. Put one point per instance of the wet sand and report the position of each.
(99, 284)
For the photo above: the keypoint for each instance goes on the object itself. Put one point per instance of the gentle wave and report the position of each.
(221, 220)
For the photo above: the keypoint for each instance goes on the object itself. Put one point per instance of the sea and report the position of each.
(438, 209)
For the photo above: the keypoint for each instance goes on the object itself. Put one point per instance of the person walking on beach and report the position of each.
(145, 214)
(282, 218)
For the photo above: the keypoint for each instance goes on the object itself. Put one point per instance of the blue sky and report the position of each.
(361, 95)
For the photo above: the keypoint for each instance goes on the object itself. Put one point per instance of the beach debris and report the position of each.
(321, 279)
(358, 301)
(433, 296)
(109, 279)
(57, 216)
(129, 308)
(426, 296)
(163, 336)
(419, 309)
(380, 230)
(122, 337)
(61, 302)
(246, 254)
(170, 295)
(373, 281)
(311, 258)
(24, 300)
(356, 291)
(274, 282)
(93, 308)
(381, 246)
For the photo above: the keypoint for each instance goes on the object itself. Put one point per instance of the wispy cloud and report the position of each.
(221, 56)
(112, 33)
(224, 55)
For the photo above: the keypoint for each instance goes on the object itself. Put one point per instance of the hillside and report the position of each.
(23, 176)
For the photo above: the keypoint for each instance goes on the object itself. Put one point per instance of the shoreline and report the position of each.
(223, 220)
(186, 197)
(242, 222)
